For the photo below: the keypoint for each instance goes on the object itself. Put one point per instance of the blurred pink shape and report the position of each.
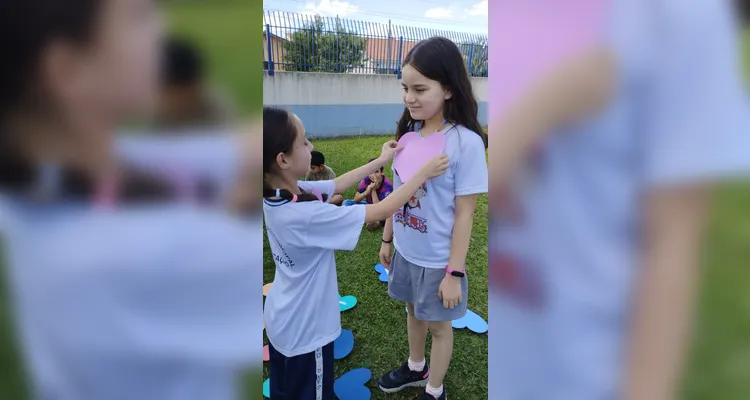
(528, 38)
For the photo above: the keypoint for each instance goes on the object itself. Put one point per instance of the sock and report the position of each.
(434, 392)
(416, 366)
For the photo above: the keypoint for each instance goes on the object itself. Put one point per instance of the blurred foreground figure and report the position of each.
(601, 174)
(127, 280)
(187, 100)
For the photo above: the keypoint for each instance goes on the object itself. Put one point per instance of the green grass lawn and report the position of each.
(378, 322)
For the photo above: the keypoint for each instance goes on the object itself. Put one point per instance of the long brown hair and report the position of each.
(439, 59)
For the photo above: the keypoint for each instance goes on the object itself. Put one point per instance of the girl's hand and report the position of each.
(450, 291)
(385, 255)
(390, 148)
(435, 167)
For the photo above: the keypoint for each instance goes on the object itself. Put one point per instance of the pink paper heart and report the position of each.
(531, 38)
(417, 151)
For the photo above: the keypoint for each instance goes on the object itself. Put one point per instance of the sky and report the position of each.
(468, 16)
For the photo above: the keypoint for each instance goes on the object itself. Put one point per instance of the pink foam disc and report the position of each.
(417, 152)
(266, 354)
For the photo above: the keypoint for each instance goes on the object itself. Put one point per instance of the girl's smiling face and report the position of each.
(423, 97)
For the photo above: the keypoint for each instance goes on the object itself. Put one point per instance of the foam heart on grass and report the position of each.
(347, 302)
(350, 386)
(383, 272)
(343, 345)
(417, 152)
(470, 321)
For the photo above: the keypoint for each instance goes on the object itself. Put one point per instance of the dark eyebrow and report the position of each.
(419, 85)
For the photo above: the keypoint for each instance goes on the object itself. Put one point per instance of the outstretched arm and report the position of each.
(572, 92)
(351, 178)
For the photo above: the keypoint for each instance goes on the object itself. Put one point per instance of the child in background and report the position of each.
(319, 171)
(431, 233)
(187, 102)
(372, 190)
(301, 312)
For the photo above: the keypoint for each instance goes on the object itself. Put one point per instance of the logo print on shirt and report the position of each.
(285, 260)
(414, 200)
(404, 217)
(515, 279)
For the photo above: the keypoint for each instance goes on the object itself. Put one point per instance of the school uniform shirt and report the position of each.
(383, 191)
(423, 231)
(563, 272)
(137, 302)
(301, 311)
(144, 303)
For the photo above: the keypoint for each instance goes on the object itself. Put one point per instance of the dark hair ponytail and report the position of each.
(279, 134)
(440, 59)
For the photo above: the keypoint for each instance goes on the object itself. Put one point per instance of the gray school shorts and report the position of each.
(419, 286)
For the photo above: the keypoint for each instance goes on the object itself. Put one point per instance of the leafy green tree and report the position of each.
(316, 49)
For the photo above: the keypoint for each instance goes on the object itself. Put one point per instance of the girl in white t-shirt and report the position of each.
(301, 312)
(431, 233)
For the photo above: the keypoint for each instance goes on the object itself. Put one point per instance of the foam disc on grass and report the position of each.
(347, 302)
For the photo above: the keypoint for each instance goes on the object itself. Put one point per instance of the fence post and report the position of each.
(471, 56)
(398, 61)
(270, 53)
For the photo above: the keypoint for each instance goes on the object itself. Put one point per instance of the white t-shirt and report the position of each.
(301, 312)
(147, 302)
(679, 116)
(423, 235)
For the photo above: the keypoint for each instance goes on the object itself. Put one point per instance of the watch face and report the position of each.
(457, 274)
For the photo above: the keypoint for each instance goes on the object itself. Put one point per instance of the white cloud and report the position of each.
(330, 8)
(457, 14)
(440, 13)
(479, 9)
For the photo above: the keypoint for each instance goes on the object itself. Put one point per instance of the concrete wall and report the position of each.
(334, 105)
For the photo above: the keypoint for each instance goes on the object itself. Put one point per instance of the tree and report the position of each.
(315, 49)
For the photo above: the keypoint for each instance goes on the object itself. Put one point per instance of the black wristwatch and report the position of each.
(457, 274)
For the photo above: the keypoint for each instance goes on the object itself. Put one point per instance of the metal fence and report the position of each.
(312, 43)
